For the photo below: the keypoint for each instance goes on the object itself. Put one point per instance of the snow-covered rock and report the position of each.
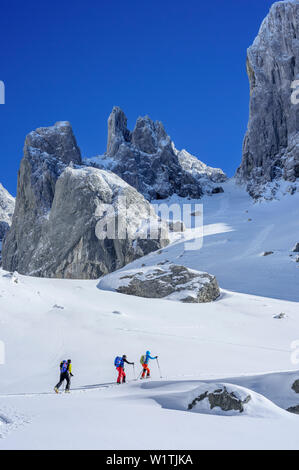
(224, 397)
(176, 226)
(164, 281)
(206, 174)
(147, 159)
(7, 207)
(271, 144)
(62, 208)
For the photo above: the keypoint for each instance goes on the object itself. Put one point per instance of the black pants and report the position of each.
(64, 376)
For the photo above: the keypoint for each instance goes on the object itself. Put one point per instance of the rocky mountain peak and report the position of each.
(147, 160)
(148, 134)
(58, 141)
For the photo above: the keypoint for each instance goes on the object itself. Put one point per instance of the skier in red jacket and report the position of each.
(121, 369)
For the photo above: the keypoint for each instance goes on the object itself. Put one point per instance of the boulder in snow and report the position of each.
(176, 226)
(170, 281)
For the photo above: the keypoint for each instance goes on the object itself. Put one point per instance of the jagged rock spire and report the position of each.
(117, 130)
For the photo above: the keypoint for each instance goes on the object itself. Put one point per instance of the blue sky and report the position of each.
(180, 62)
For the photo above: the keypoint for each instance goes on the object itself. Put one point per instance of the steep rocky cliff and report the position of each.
(271, 145)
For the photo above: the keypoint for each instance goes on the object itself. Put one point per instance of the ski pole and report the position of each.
(159, 368)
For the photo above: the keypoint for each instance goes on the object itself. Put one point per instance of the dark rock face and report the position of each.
(58, 208)
(223, 399)
(147, 160)
(271, 144)
(164, 281)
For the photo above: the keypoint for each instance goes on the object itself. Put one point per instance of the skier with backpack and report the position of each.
(65, 374)
(144, 360)
(119, 363)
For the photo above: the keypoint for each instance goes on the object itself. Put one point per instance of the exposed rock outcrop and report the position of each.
(296, 248)
(7, 207)
(268, 253)
(295, 386)
(294, 409)
(168, 281)
(271, 144)
(147, 160)
(62, 209)
(222, 398)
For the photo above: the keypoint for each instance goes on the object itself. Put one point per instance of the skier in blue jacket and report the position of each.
(145, 362)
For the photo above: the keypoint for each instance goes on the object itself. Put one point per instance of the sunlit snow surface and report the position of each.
(234, 341)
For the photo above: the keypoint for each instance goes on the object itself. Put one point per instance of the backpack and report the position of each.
(64, 367)
(142, 359)
(117, 361)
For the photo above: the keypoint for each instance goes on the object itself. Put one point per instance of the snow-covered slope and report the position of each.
(234, 341)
